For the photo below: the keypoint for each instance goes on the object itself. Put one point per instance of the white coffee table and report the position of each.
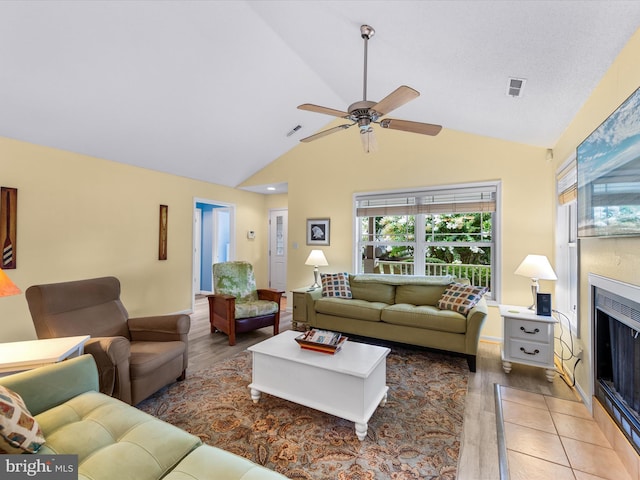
(350, 384)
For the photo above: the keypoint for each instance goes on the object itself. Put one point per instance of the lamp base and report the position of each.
(534, 293)
(315, 279)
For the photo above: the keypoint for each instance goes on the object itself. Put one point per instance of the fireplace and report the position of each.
(616, 331)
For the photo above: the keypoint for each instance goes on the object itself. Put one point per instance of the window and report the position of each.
(567, 245)
(435, 231)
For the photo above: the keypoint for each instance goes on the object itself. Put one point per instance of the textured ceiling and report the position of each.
(209, 89)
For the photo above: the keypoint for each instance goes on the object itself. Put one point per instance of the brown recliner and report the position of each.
(135, 356)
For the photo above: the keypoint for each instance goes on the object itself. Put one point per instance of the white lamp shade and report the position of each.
(316, 258)
(537, 267)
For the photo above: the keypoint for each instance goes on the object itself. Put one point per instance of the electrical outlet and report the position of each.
(578, 352)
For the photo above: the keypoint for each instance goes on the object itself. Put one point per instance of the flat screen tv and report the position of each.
(608, 163)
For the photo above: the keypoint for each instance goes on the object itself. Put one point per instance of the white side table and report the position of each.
(18, 356)
(527, 339)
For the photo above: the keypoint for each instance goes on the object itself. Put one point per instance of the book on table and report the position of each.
(324, 341)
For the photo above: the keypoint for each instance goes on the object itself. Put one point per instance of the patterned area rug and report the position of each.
(416, 435)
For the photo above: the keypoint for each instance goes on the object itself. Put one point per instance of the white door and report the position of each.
(278, 249)
(221, 239)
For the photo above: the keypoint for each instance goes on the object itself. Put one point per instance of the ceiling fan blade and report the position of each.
(324, 133)
(395, 99)
(413, 127)
(327, 111)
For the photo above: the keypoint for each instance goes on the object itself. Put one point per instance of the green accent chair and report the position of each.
(237, 306)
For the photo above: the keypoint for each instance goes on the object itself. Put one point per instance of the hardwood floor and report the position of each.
(479, 452)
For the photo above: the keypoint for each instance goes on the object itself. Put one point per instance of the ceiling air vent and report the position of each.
(515, 86)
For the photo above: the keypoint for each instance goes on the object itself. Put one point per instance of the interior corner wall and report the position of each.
(617, 258)
(323, 177)
(81, 217)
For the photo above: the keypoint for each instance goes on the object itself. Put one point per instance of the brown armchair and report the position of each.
(135, 356)
(237, 305)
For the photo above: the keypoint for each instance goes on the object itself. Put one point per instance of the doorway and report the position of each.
(213, 241)
(278, 231)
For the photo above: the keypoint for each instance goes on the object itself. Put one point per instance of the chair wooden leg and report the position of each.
(182, 376)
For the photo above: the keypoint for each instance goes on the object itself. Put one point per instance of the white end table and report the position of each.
(350, 384)
(18, 356)
(527, 339)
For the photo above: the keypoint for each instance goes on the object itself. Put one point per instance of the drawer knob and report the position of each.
(531, 332)
(535, 352)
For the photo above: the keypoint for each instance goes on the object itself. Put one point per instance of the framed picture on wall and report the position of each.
(318, 231)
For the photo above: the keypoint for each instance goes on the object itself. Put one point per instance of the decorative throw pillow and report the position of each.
(19, 431)
(461, 298)
(336, 285)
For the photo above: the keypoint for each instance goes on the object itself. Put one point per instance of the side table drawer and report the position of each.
(527, 330)
(529, 351)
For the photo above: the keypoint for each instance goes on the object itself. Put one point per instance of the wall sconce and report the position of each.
(317, 259)
(536, 267)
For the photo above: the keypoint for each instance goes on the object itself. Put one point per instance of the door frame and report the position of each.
(232, 236)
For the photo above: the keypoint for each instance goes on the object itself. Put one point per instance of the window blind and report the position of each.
(567, 183)
(453, 200)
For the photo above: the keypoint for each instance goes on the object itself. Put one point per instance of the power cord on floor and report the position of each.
(571, 350)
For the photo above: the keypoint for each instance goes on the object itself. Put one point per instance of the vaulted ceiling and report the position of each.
(209, 89)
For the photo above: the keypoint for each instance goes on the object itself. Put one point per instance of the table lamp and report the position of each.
(317, 259)
(536, 267)
(7, 287)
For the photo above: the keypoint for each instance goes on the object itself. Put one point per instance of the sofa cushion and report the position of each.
(424, 316)
(255, 308)
(461, 298)
(358, 309)
(112, 438)
(372, 291)
(19, 431)
(420, 294)
(211, 462)
(336, 285)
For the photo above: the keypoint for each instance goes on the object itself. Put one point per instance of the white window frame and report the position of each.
(419, 243)
(567, 254)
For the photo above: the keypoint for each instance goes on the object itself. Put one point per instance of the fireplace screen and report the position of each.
(617, 382)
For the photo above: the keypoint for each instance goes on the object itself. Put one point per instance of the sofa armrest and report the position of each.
(160, 328)
(310, 303)
(45, 387)
(475, 320)
(270, 294)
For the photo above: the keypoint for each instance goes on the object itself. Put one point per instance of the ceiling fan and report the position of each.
(365, 113)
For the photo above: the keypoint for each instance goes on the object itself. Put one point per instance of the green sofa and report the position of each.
(401, 308)
(112, 439)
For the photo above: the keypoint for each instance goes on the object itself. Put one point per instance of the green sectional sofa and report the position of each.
(113, 440)
(402, 309)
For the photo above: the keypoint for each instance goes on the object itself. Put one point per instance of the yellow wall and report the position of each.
(617, 258)
(81, 217)
(324, 175)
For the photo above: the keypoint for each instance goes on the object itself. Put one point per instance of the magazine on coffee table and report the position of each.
(324, 341)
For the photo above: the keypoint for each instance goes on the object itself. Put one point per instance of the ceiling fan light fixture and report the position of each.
(369, 142)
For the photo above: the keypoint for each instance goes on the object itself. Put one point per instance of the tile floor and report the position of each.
(547, 437)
